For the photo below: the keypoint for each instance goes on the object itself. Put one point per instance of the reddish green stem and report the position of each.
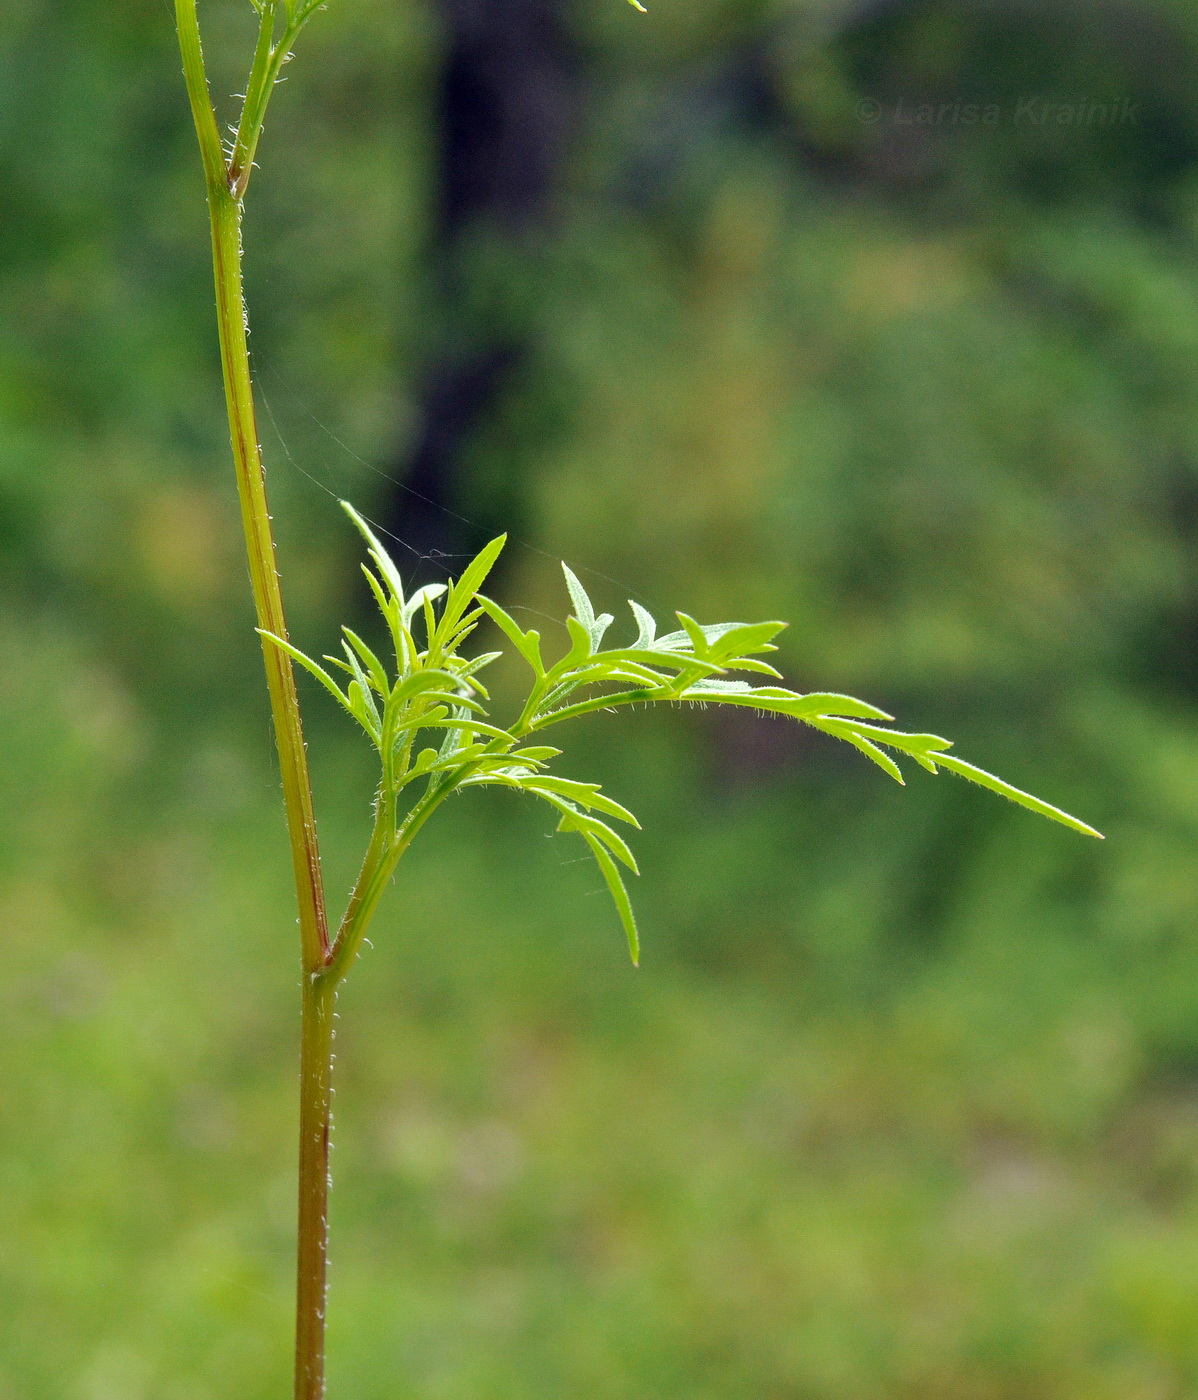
(316, 1066)
(319, 994)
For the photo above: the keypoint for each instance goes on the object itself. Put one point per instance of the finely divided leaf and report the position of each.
(309, 665)
(528, 644)
(1014, 794)
(428, 594)
(594, 626)
(587, 794)
(436, 689)
(646, 625)
(386, 564)
(618, 893)
(848, 733)
(374, 666)
(583, 610)
(462, 593)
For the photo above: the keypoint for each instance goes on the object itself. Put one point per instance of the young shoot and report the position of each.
(432, 692)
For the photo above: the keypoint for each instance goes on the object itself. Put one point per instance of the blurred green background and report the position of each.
(879, 317)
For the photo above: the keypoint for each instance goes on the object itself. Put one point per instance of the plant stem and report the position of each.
(319, 994)
(316, 1067)
(318, 997)
(264, 577)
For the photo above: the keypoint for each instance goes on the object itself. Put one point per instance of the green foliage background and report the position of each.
(904, 1100)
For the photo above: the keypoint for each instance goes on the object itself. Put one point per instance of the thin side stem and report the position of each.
(269, 57)
(253, 110)
(376, 872)
(372, 878)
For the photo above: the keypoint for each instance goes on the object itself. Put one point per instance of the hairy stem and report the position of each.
(264, 578)
(316, 1121)
(224, 207)
(363, 900)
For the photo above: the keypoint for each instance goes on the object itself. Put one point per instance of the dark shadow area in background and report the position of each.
(508, 100)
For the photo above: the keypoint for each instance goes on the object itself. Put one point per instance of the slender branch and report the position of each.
(374, 878)
(253, 109)
(269, 58)
(364, 897)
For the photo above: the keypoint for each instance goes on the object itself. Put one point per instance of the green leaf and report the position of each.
(401, 638)
(430, 622)
(594, 626)
(785, 702)
(646, 624)
(588, 794)
(535, 754)
(618, 893)
(582, 648)
(386, 564)
(744, 663)
(609, 669)
(461, 757)
(361, 706)
(717, 690)
(360, 676)
(574, 820)
(425, 760)
(1013, 794)
(387, 605)
(420, 681)
(436, 719)
(528, 644)
(310, 666)
(694, 634)
(652, 660)
(461, 632)
(453, 734)
(596, 702)
(374, 667)
(428, 594)
(870, 750)
(739, 640)
(906, 743)
(830, 703)
(462, 593)
(583, 610)
(466, 669)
